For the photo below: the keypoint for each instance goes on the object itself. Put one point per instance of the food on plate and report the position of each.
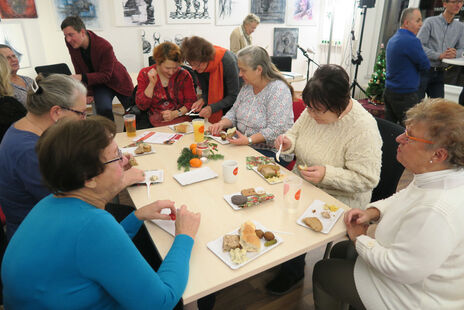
(154, 178)
(182, 127)
(330, 207)
(259, 233)
(139, 149)
(230, 242)
(143, 148)
(238, 256)
(248, 239)
(231, 132)
(325, 214)
(313, 222)
(269, 171)
(302, 167)
(132, 161)
(268, 235)
(223, 135)
(257, 199)
(239, 200)
(248, 192)
(270, 242)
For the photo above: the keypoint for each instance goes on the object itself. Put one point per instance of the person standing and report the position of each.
(442, 38)
(97, 67)
(405, 60)
(241, 36)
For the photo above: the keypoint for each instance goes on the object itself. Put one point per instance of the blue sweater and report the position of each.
(405, 59)
(21, 184)
(68, 254)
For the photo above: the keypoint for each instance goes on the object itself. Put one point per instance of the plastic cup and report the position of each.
(230, 171)
(198, 129)
(129, 123)
(292, 193)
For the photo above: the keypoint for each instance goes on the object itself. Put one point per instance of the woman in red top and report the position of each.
(165, 89)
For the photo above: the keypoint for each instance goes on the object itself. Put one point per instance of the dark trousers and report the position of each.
(396, 105)
(103, 97)
(432, 84)
(333, 279)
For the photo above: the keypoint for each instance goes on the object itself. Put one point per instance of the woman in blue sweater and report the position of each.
(69, 253)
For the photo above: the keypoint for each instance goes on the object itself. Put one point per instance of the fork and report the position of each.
(278, 153)
(148, 182)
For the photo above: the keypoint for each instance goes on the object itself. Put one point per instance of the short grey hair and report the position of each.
(405, 14)
(251, 18)
(54, 90)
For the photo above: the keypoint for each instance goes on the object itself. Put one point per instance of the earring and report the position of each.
(431, 161)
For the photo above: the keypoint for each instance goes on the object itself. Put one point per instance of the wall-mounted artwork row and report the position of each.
(13, 36)
(231, 12)
(87, 10)
(137, 12)
(18, 9)
(188, 11)
(152, 37)
(269, 11)
(285, 42)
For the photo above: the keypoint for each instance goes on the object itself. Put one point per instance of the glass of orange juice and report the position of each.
(198, 129)
(129, 123)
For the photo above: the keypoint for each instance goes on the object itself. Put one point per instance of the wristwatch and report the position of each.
(250, 141)
(179, 113)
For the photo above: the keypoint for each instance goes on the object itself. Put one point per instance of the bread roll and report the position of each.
(248, 239)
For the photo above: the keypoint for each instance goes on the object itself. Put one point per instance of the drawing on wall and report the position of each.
(285, 42)
(188, 11)
(87, 10)
(18, 9)
(302, 12)
(13, 36)
(137, 12)
(269, 11)
(153, 37)
(231, 12)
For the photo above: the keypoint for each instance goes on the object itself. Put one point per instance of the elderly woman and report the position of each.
(217, 74)
(21, 187)
(263, 109)
(416, 259)
(20, 83)
(165, 89)
(86, 258)
(338, 149)
(241, 36)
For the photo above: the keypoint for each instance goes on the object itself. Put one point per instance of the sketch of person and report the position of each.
(205, 9)
(265, 5)
(146, 46)
(131, 8)
(188, 3)
(150, 12)
(303, 9)
(156, 39)
(178, 39)
(285, 46)
(225, 8)
(196, 6)
(178, 12)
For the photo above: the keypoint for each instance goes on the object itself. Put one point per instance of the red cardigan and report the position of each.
(108, 70)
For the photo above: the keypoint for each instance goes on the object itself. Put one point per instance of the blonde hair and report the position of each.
(5, 83)
(251, 18)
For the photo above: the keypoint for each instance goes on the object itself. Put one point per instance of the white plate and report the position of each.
(189, 128)
(228, 198)
(318, 207)
(255, 169)
(131, 150)
(216, 247)
(168, 226)
(217, 139)
(194, 176)
(149, 173)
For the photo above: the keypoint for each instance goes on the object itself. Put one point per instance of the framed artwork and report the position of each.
(152, 37)
(13, 36)
(303, 12)
(18, 9)
(188, 11)
(269, 11)
(285, 42)
(87, 10)
(136, 13)
(231, 12)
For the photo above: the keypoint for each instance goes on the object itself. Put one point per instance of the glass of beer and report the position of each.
(129, 123)
(198, 129)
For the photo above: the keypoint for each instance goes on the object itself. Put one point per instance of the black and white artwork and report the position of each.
(87, 10)
(13, 36)
(188, 11)
(269, 11)
(231, 12)
(285, 42)
(136, 13)
(151, 37)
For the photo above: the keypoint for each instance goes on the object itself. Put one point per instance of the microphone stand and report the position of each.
(309, 60)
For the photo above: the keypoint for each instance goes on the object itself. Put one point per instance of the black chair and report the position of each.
(60, 68)
(283, 63)
(142, 120)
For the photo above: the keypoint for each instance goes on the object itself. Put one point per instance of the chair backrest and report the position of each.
(391, 170)
(298, 108)
(283, 63)
(61, 68)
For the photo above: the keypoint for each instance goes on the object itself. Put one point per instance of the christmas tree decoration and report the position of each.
(376, 84)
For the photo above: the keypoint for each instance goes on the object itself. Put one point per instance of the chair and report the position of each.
(60, 68)
(298, 108)
(283, 63)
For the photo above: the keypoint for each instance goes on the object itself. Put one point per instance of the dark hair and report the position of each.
(73, 21)
(197, 49)
(328, 90)
(69, 152)
(167, 51)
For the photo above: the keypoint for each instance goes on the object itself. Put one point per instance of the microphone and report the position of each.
(304, 51)
(301, 49)
(309, 50)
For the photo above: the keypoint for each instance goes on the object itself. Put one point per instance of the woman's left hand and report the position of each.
(169, 115)
(152, 211)
(205, 112)
(128, 156)
(240, 140)
(313, 174)
(354, 230)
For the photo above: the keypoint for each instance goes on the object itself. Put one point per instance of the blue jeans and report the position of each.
(431, 83)
(103, 97)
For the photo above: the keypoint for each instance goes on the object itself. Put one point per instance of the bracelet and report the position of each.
(250, 142)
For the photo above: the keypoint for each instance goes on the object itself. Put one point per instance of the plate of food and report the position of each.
(255, 161)
(223, 135)
(248, 197)
(194, 176)
(270, 172)
(139, 150)
(154, 176)
(184, 128)
(320, 216)
(246, 243)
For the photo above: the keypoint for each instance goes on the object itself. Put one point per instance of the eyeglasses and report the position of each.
(408, 138)
(81, 114)
(119, 158)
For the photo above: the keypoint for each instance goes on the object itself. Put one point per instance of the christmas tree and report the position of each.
(376, 84)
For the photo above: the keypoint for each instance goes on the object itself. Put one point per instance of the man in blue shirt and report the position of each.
(442, 37)
(405, 59)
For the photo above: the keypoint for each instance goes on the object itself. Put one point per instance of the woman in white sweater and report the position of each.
(338, 149)
(416, 260)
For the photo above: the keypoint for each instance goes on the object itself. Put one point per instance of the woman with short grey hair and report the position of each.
(241, 36)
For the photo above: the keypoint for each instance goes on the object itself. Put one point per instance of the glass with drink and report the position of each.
(292, 193)
(129, 123)
(198, 129)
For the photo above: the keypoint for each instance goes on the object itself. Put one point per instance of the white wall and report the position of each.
(46, 44)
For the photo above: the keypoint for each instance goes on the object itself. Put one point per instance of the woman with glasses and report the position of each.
(416, 260)
(217, 74)
(338, 149)
(71, 251)
(52, 98)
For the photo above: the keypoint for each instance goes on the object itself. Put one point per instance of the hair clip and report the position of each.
(36, 88)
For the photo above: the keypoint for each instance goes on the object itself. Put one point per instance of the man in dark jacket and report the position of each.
(97, 67)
